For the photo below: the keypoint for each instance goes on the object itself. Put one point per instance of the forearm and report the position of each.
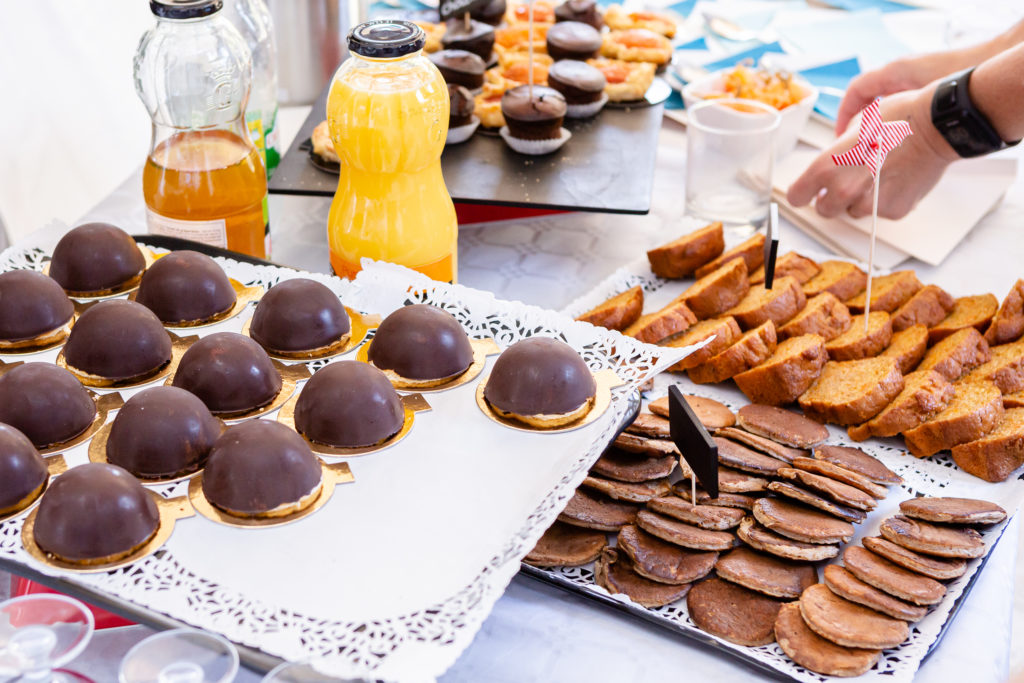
(929, 67)
(997, 90)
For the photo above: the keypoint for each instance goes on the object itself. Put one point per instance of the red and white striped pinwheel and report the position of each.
(875, 139)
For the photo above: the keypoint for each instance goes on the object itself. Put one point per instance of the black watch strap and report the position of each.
(965, 128)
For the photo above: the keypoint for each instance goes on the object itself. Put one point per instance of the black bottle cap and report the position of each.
(184, 9)
(386, 38)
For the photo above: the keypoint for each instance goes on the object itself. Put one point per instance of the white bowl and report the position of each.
(793, 118)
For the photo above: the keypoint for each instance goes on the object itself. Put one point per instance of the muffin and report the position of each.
(581, 85)
(478, 38)
(459, 67)
(461, 122)
(96, 258)
(299, 316)
(34, 309)
(46, 403)
(230, 373)
(491, 13)
(22, 471)
(420, 346)
(186, 287)
(584, 11)
(573, 40)
(349, 404)
(117, 341)
(533, 119)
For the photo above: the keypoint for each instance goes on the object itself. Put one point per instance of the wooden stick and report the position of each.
(529, 48)
(874, 228)
(693, 488)
(466, 21)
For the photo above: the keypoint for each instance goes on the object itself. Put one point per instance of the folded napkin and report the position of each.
(754, 53)
(836, 76)
(862, 34)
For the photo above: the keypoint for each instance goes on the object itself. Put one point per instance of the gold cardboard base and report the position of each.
(606, 380)
(43, 342)
(98, 453)
(481, 349)
(359, 326)
(243, 297)
(179, 345)
(291, 375)
(55, 464)
(131, 285)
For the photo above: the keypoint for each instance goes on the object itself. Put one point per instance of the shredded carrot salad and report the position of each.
(775, 88)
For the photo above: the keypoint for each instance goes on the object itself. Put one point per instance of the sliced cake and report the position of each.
(791, 264)
(751, 349)
(1005, 369)
(780, 303)
(852, 392)
(824, 315)
(908, 347)
(669, 321)
(787, 373)
(718, 291)
(888, 292)
(924, 394)
(721, 331)
(680, 258)
(929, 306)
(751, 251)
(968, 311)
(975, 411)
(843, 280)
(957, 354)
(1008, 323)
(857, 343)
(995, 456)
(619, 312)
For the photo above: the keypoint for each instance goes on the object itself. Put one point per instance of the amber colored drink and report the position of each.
(208, 185)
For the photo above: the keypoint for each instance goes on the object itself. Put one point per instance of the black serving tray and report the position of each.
(607, 166)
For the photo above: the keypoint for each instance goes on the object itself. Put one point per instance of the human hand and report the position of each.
(902, 74)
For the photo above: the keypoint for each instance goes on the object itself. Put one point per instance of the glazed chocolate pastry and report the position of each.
(46, 403)
(261, 469)
(94, 514)
(478, 39)
(349, 404)
(117, 340)
(230, 373)
(95, 258)
(573, 40)
(585, 11)
(299, 315)
(542, 382)
(462, 106)
(23, 471)
(31, 305)
(421, 343)
(460, 67)
(186, 287)
(492, 13)
(533, 113)
(162, 432)
(578, 82)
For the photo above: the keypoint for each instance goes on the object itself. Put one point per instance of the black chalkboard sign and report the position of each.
(457, 8)
(771, 245)
(693, 441)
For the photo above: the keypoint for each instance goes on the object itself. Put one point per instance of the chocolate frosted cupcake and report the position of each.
(573, 40)
(23, 471)
(534, 116)
(96, 258)
(33, 309)
(492, 13)
(460, 67)
(581, 85)
(186, 287)
(46, 403)
(478, 38)
(461, 122)
(584, 11)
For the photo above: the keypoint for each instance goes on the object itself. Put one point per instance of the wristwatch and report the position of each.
(966, 129)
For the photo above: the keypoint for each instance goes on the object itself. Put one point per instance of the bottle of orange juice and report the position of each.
(388, 115)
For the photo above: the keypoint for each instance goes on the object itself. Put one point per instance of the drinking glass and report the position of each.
(181, 655)
(39, 633)
(729, 157)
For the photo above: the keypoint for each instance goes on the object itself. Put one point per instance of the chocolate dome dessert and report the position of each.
(533, 113)
(229, 372)
(96, 258)
(542, 382)
(31, 306)
(462, 106)
(299, 315)
(46, 403)
(585, 11)
(579, 82)
(349, 404)
(478, 38)
(492, 13)
(94, 514)
(573, 40)
(118, 340)
(459, 67)
(186, 287)
(162, 433)
(23, 471)
(421, 345)
(261, 469)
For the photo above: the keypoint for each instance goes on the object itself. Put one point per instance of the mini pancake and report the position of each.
(779, 424)
(846, 585)
(931, 539)
(839, 473)
(730, 480)
(712, 517)
(650, 425)
(933, 567)
(765, 573)
(759, 538)
(847, 623)
(806, 497)
(760, 443)
(836, 490)
(682, 534)
(642, 445)
(564, 545)
(740, 457)
(733, 612)
(633, 493)
(614, 573)
(730, 500)
(858, 461)
(801, 523)
(809, 650)
(614, 464)
(712, 414)
(663, 562)
(886, 576)
(592, 510)
(953, 510)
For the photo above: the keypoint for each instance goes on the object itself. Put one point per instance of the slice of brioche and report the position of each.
(929, 306)
(654, 327)
(751, 251)
(824, 315)
(843, 280)
(957, 354)
(787, 373)
(856, 343)
(908, 347)
(924, 394)
(751, 349)
(1005, 369)
(789, 264)
(975, 411)
(724, 330)
(780, 303)
(888, 292)
(1008, 323)
(619, 312)
(968, 311)
(853, 391)
(1014, 400)
(680, 258)
(995, 456)
(718, 291)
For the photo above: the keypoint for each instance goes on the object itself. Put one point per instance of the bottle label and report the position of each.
(263, 132)
(212, 232)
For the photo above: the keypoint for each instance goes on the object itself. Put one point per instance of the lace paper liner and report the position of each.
(422, 644)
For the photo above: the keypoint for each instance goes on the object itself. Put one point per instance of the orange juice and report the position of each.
(388, 119)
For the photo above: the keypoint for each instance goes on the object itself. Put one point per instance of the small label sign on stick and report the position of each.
(456, 8)
(693, 442)
(771, 245)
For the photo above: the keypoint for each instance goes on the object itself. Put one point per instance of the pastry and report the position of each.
(995, 456)
(894, 580)
(787, 373)
(420, 346)
(620, 466)
(460, 67)
(519, 12)
(580, 84)
(719, 333)
(888, 292)
(633, 493)
(844, 494)
(734, 613)
(750, 251)
(750, 350)
(712, 414)
(230, 373)
(857, 461)
(323, 145)
(585, 11)
(933, 567)
(477, 38)
(732, 454)
(780, 303)
(637, 45)
(618, 19)
(847, 623)
(681, 257)
(663, 562)
(718, 290)
(299, 316)
(974, 411)
(45, 403)
(96, 258)
(665, 323)
(627, 81)
(533, 116)
(857, 343)
(712, 517)
(34, 310)
(957, 354)
(619, 312)
(823, 315)
(930, 539)
(801, 268)
(563, 545)
(22, 471)
(1008, 322)
(682, 534)
(592, 510)
(853, 391)
(761, 444)
(492, 12)
(760, 538)
(1005, 368)
(846, 585)
(515, 70)
(924, 394)
(781, 425)
(953, 510)
(117, 341)
(809, 650)
(841, 279)
(512, 42)
(815, 500)
(433, 31)
(968, 311)
(186, 287)
(614, 573)
(929, 306)
(801, 523)
(842, 474)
